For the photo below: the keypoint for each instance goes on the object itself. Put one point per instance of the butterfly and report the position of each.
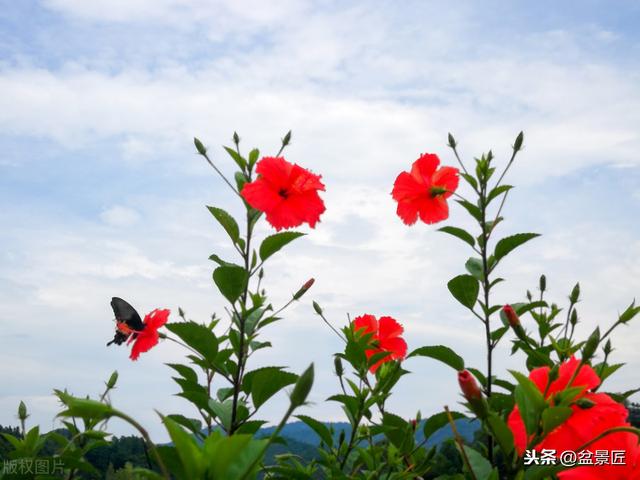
(128, 321)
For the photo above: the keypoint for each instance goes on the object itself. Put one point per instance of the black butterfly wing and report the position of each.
(128, 315)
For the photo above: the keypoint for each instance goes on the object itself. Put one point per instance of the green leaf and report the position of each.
(187, 373)
(498, 191)
(222, 410)
(501, 432)
(472, 209)
(231, 281)
(530, 402)
(240, 161)
(198, 337)
(464, 288)
(474, 267)
(481, 467)
(273, 243)
(227, 222)
(265, 382)
(253, 157)
(552, 417)
(437, 421)
(236, 457)
(188, 451)
(441, 353)
(508, 244)
(460, 233)
(320, 428)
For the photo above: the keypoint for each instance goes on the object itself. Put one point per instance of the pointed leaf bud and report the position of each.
(303, 289)
(113, 379)
(452, 141)
(22, 411)
(608, 348)
(529, 296)
(574, 318)
(337, 363)
(302, 388)
(517, 146)
(592, 344)
(575, 294)
(287, 139)
(199, 146)
(585, 403)
(317, 308)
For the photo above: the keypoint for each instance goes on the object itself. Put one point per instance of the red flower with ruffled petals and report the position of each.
(598, 414)
(423, 192)
(386, 338)
(148, 338)
(286, 193)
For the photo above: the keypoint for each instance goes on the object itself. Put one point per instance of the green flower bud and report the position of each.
(543, 283)
(517, 145)
(22, 411)
(302, 388)
(575, 294)
(317, 308)
(236, 138)
(574, 317)
(592, 344)
(112, 380)
(337, 363)
(286, 139)
(199, 146)
(452, 141)
(607, 347)
(585, 403)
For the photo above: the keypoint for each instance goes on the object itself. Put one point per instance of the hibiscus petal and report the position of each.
(397, 346)
(275, 170)
(407, 188)
(433, 210)
(261, 195)
(144, 343)
(367, 322)
(423, 168)
(388, 327)
(446, 177)
(156, 319)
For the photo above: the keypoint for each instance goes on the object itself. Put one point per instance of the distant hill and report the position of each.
(300, 435)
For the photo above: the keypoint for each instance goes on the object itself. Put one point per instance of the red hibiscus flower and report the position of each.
(598, 414)
(386, 338)
(149, 336)
(286, 193)
(424, 191)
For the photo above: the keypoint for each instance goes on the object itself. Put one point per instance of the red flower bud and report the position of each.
(414, 424)
(469, 386)
(303, 289)
(512, 316)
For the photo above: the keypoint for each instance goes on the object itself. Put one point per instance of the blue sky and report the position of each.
(101, 193)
